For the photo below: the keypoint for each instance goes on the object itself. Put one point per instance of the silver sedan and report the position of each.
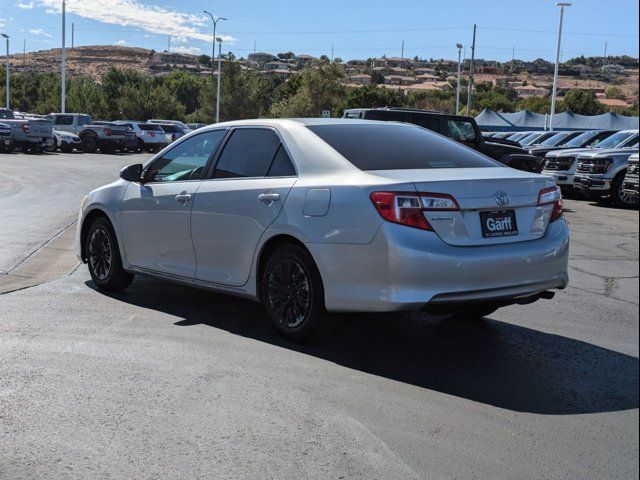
(313, 216)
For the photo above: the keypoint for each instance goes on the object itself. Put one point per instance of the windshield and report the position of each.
(615, 139)
(397, 147)
(581, 139)
(530, 138)
(555, 140)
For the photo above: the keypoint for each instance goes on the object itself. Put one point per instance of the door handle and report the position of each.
(183, 198)
(269, 198)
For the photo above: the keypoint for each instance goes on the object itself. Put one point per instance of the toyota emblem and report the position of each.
(502, 199)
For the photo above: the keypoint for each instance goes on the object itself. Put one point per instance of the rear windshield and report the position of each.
(397, 147)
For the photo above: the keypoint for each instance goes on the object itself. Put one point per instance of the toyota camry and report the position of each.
(310, 216)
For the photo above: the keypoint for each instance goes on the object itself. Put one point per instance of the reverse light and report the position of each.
(25, 128)
(552, 196)
(406, 208)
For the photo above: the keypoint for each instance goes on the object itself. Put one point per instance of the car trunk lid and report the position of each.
(497, 205)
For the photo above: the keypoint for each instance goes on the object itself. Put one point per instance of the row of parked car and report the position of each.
(599, 164)
(69, 131)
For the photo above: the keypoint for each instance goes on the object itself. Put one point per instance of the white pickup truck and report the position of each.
(107, 138)
(29, 135)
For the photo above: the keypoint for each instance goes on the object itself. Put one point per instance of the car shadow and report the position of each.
(488, 361)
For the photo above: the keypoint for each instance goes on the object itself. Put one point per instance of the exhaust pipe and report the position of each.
(547, 295)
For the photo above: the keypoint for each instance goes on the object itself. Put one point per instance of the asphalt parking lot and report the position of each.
(164, 381)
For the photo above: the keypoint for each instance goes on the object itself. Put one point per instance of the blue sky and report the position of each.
(355, 28)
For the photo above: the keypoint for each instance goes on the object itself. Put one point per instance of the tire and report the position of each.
(89, 145)
(618, 198)
(140, 148)
(103, 257)
(108, 149)
(292, 293)
(66, 149)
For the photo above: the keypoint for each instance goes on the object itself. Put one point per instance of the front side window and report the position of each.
(186, 161)
(461, 131)
(64, 120)
(248, 153)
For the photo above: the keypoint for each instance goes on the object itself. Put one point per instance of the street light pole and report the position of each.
(555, 72)
(215, 21)
(7, 79)
(219, 79)
(459, 46)
(470, 86)
(63, 72)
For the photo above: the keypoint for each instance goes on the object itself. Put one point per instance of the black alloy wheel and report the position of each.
(292, 292)
(103, 257)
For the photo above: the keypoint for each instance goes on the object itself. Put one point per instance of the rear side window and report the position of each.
(393, 147)
(281, 165)
(248, 153)
(149, 127)
(424, 121)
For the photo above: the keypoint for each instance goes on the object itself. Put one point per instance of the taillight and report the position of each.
(552, 196)
(107, 132)
(407, 208)
(25, 128)
(173, 137)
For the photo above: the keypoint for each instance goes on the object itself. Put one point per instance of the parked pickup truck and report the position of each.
(459, 128)
(6, 138)
(107, 138)
(631, 179)
(30, 135)
(601, 174)
(562, 164)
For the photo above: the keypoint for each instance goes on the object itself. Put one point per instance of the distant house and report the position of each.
(277, 72)
(416, 64)
(613, 69)
(531, 91)
(304, 60)
(399, 80)
(360, 79)
(378, 62)
(261, 57)
(382, 70)
(398, 62)
(430, 86)
(357, 63)
(276, 65)
(424, 70)
(427, 77)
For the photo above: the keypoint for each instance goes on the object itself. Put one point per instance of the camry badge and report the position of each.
(502, 199)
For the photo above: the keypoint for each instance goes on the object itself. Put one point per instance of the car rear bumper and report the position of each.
(407, 269)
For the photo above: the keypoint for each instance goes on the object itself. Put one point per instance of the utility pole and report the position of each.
(254, 47)
(215, 21)
(63, 72)
(470, 86)
(402, 50)
(73, 34)
(459, 46)
(169, 44)
(555, 72)
(332, 53)
(513, 54)
(6, 37)
(24, 53)
(605, 49)
(219, 79)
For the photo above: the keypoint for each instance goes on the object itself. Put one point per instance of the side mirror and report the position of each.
(132, 173)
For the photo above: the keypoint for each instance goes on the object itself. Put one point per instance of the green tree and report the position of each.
(614, 92)
(583, 102)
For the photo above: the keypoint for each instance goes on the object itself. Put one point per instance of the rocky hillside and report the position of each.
(91, 61)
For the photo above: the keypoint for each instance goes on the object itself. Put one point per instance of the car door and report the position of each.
(244, 195)
(155, 215)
